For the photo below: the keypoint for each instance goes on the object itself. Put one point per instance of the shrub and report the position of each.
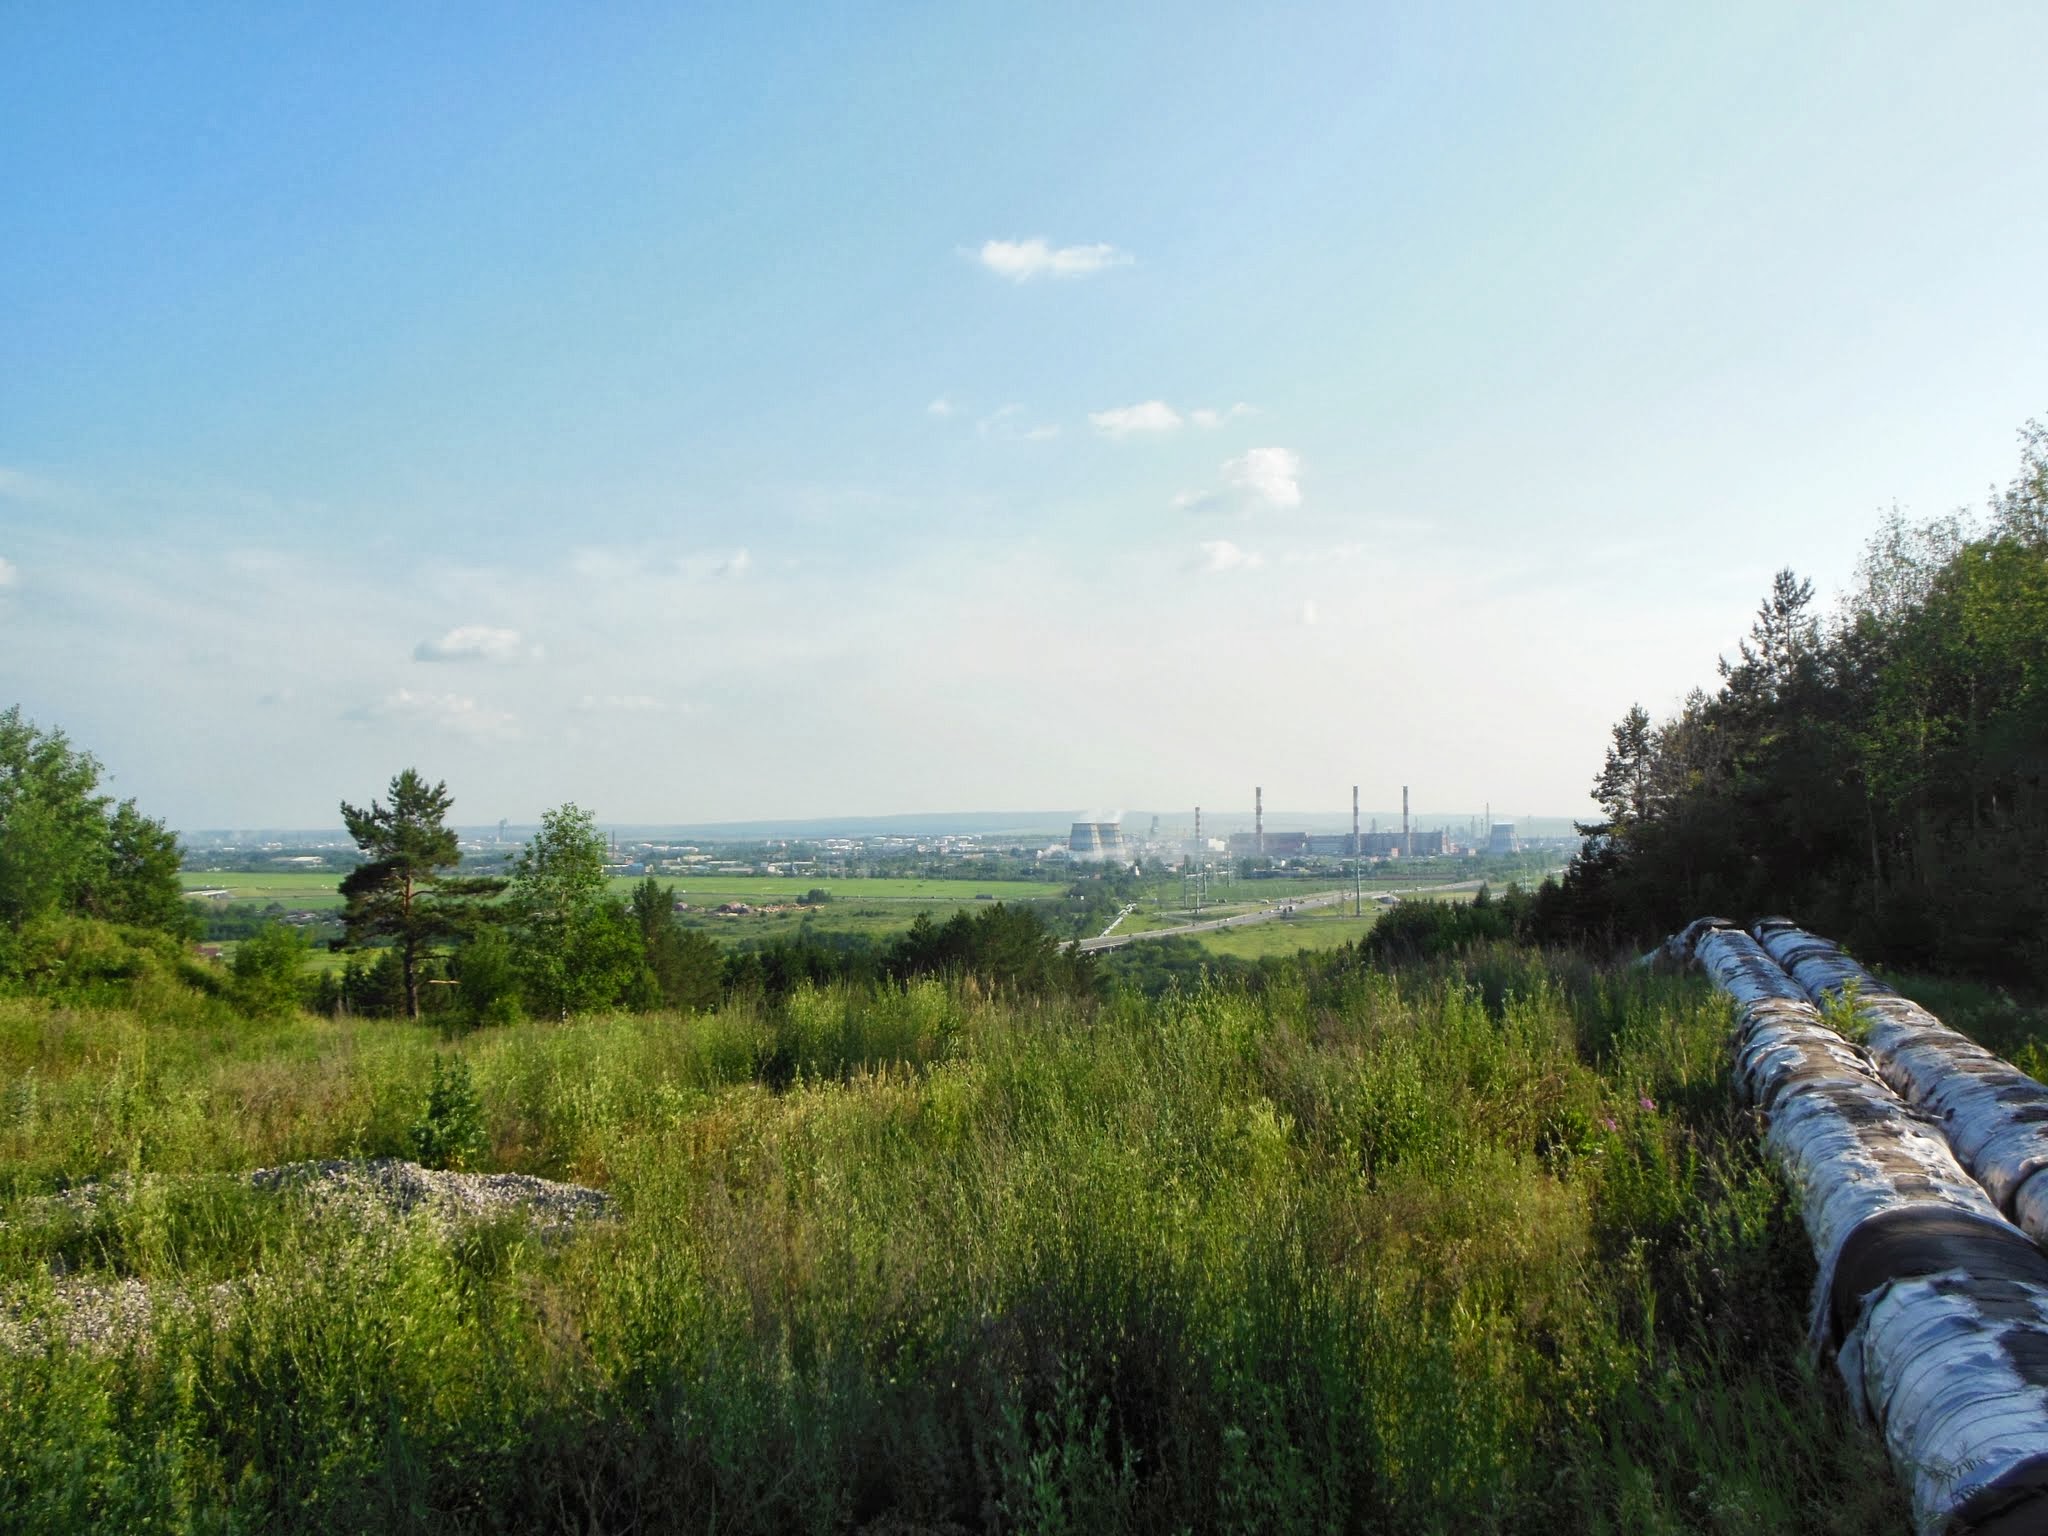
(451, 1132)
(269, 971)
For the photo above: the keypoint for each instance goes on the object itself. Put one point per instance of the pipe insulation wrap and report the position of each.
(1965, 1420)
(1994, 1115)
(1852, 1153)
(1936, 1305)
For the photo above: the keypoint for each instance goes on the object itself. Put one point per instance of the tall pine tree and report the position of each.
(401, 892)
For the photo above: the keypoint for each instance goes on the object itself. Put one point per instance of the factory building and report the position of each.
(1096, 840)
(1340, 845)
(1501, 839)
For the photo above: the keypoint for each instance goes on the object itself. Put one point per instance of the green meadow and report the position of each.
(1483, 1246)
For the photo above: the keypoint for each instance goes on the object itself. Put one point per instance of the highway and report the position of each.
(1109, 939)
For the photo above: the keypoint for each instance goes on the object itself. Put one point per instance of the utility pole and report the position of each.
(1357, 883)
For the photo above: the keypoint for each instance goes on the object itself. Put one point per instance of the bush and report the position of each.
(487, 971)
(451, 1132)
(269, 971)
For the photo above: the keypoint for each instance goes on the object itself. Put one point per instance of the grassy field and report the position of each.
(294, 891)
(1481, 1248)
(1316, 929)
(876, 909)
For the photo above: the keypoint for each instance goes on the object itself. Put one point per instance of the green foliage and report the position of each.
(686, 965)
(579, 949)
(83, 960)
(1880, 775)
(400, 892)
(487, 974)
(269, 971)
(1479, 1244)
(450, 1133)
(68, 850)
(1008, 946)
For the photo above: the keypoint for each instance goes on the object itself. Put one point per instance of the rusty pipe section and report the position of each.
(1993, 1114)
(1935, 1306)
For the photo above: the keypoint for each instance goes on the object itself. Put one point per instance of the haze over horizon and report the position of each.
(735, 417)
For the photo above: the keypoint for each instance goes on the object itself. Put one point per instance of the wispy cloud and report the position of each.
(1270, 475)
(1125, 420)
(1222, 555)
(10, 573)
(941, 407)
(715, 566)
(1157, 416)
(1022, 260)
(475, 642)
(1006, 424)
(1308, 612)
(454, 712)
(620, 704)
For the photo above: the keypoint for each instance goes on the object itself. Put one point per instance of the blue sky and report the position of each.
(783, 413)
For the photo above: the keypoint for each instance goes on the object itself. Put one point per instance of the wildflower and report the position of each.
(1647, 1102)
(1609, 1122)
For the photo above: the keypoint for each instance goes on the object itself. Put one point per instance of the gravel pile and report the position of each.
(103, 1314)
(402, 1188)
(98, 1314)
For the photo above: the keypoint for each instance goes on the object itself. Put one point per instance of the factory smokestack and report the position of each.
(1354, 821)
(1259, 820)
(1407, 841)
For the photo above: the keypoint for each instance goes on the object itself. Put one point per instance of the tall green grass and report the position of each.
(1481, 1247)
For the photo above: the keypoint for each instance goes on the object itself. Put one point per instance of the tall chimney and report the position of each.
(1407, 841)
(1259, 820)
(1354, 821)
(1200, 846)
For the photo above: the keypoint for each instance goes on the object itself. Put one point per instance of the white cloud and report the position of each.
(1002, 424)
(1022, 260)
(1308, 611)
(941, 407)
(1271, 475)
(474, 642)
(1209, 419)
(1222, 555)
(1123, 420)
(446, 711)
(10, 573)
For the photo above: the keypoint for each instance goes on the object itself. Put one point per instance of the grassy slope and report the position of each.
(1481, 1251)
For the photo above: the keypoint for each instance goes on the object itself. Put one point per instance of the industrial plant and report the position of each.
(1103, 841)
(1097, 841)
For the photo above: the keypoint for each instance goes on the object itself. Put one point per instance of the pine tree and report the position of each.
(400, 892)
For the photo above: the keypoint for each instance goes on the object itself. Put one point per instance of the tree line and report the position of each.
(1879, 772)
(552, 940)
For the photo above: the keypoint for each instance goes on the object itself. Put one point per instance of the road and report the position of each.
(1107, 939)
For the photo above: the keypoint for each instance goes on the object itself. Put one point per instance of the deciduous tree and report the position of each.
(67, 848)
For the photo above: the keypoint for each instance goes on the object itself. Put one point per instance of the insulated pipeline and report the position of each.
(1994, 1115)
(1935, 1305)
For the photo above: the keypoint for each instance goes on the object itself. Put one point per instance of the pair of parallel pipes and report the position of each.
(1934, 1303)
